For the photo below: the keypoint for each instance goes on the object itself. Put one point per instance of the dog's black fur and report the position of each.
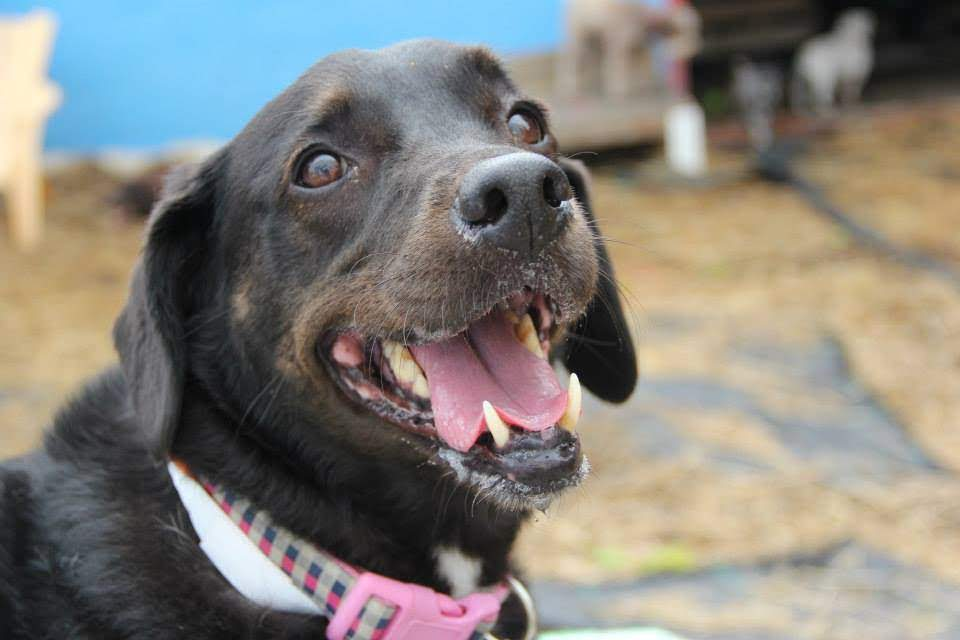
(240, 276)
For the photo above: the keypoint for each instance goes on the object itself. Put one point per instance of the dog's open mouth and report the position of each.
(487, 395)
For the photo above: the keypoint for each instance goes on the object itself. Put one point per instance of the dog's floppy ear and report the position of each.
(149, 333)
(599, 349)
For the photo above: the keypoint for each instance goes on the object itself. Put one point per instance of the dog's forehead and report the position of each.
(406, 78)
(422, 62)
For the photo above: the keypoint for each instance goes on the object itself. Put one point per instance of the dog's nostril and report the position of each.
(552, 193)
(494, 206)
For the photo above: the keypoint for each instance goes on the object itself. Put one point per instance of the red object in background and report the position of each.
(678, 80)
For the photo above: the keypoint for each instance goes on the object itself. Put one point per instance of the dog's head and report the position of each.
(856, 24)
(383, 263)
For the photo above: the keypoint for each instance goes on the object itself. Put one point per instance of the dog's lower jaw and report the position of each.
(507, 494)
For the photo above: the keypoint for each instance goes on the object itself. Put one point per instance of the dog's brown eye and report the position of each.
(319, 170)
(525, 128)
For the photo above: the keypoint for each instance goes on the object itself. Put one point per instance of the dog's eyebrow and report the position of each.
(484, 61)
(536, 104)
(330, 104)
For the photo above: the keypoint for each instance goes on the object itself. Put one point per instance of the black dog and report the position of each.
(410, 196)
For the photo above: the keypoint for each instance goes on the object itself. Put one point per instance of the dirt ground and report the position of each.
(743, 257)
(703, 266)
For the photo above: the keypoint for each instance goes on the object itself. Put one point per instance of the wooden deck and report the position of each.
(591, 123)
(729, 26)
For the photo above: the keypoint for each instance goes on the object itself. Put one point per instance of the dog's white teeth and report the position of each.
(420, 386)
(405, 368)
(571, 416)
(528, 337)
(495, 424)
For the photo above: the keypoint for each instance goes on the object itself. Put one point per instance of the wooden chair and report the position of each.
(26, 100)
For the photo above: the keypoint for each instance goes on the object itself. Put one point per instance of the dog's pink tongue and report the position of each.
(491, 365)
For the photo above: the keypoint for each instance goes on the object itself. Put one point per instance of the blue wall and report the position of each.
(142, 74)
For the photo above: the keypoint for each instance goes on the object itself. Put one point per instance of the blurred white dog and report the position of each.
(835, 64)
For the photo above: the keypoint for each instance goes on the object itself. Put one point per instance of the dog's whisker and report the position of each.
(448, 477)
(630, 301)
(626, 296)
(265, 414)
(626, 243)
(174, 525)
(256, 399)
(194, 327)
(582, 153)
(368, 256)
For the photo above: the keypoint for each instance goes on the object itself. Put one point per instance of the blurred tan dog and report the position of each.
(672, 33)
(835, 64)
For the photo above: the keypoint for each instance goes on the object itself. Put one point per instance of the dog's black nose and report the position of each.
(519, 201)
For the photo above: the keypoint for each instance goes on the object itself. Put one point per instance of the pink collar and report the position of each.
(361, 605)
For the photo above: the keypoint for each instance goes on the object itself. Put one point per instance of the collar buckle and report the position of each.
(421, 614)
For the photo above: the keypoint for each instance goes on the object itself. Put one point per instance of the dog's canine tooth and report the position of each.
(405, 368)
(527, 335)
(495, 424)
(420, 386)
(571, 416)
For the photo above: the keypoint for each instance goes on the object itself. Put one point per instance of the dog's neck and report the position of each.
(410, 524)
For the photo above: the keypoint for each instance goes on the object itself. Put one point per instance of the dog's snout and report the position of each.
(518, 201)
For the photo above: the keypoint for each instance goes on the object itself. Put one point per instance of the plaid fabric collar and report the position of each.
(324, 583)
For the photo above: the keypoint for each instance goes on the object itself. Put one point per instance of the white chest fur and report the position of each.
(460, 571)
